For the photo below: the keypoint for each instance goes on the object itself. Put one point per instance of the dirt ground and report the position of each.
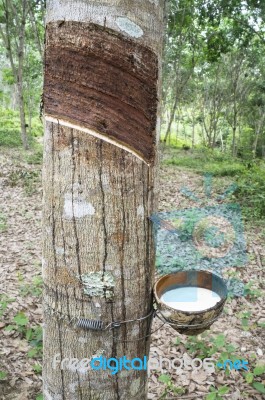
(20, 262)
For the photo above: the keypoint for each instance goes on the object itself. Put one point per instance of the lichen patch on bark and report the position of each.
(59, 251)
(98, 284)
(99, 79)
(140, 211)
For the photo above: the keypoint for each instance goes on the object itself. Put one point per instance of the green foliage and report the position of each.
(164, 378)
(33, 289)
(34, 337)
(198, 347)
(252, 292)
(251, 192)
(217, 394)
(214, 76)
(9, 128)
(37, 368)
(32, 334)
(36, 130)
(7, 76)
(207, 161)
(175, 143)
(250, 377)
(225, 168)
(170, 388)
(244, 316)
(3, 375)
(3, 222)
(35, 157)
(39, 397)
(259, 370)
(202, 348)
(4, 301)
(29, 179)
(259, 387)
(249, 176)
(206, 349)
(186, 229)
(206, 346)
(21, 38)
(21, 319)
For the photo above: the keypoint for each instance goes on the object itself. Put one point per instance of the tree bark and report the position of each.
(101, 91)
(21, 104)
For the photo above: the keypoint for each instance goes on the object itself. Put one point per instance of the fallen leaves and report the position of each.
(20, 247)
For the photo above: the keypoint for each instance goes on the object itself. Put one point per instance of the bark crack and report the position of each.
(74, 219)
(62, 225)
(122, 256)
(61, 354)
(103, 213)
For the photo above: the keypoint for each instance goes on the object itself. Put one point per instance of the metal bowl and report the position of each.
(190, 322)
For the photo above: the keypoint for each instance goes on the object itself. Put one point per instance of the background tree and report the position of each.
(14, 19)
(208, 62)
(21, 34)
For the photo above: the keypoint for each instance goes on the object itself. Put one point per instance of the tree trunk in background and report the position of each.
(259, 125)
(171, 119)
(101, 90)
(15, 23)
(234, 124)
(35, 29)
(234, 147)
(19, 77)
(21, 104)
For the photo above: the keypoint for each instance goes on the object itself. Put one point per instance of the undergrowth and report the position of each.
(249, 175)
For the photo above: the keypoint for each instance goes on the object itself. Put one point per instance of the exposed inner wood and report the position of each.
(98, 79)
(98, 135)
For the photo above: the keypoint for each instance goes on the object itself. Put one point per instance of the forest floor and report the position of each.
(237, 334)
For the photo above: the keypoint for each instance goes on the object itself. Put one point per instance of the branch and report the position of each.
(35, 29)
(8, 3)
(243, 22)
(3, 36)
(8, 42)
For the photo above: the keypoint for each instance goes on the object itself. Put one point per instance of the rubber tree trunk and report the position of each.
(101, 102)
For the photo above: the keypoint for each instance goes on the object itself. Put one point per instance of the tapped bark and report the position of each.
(101, 91)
